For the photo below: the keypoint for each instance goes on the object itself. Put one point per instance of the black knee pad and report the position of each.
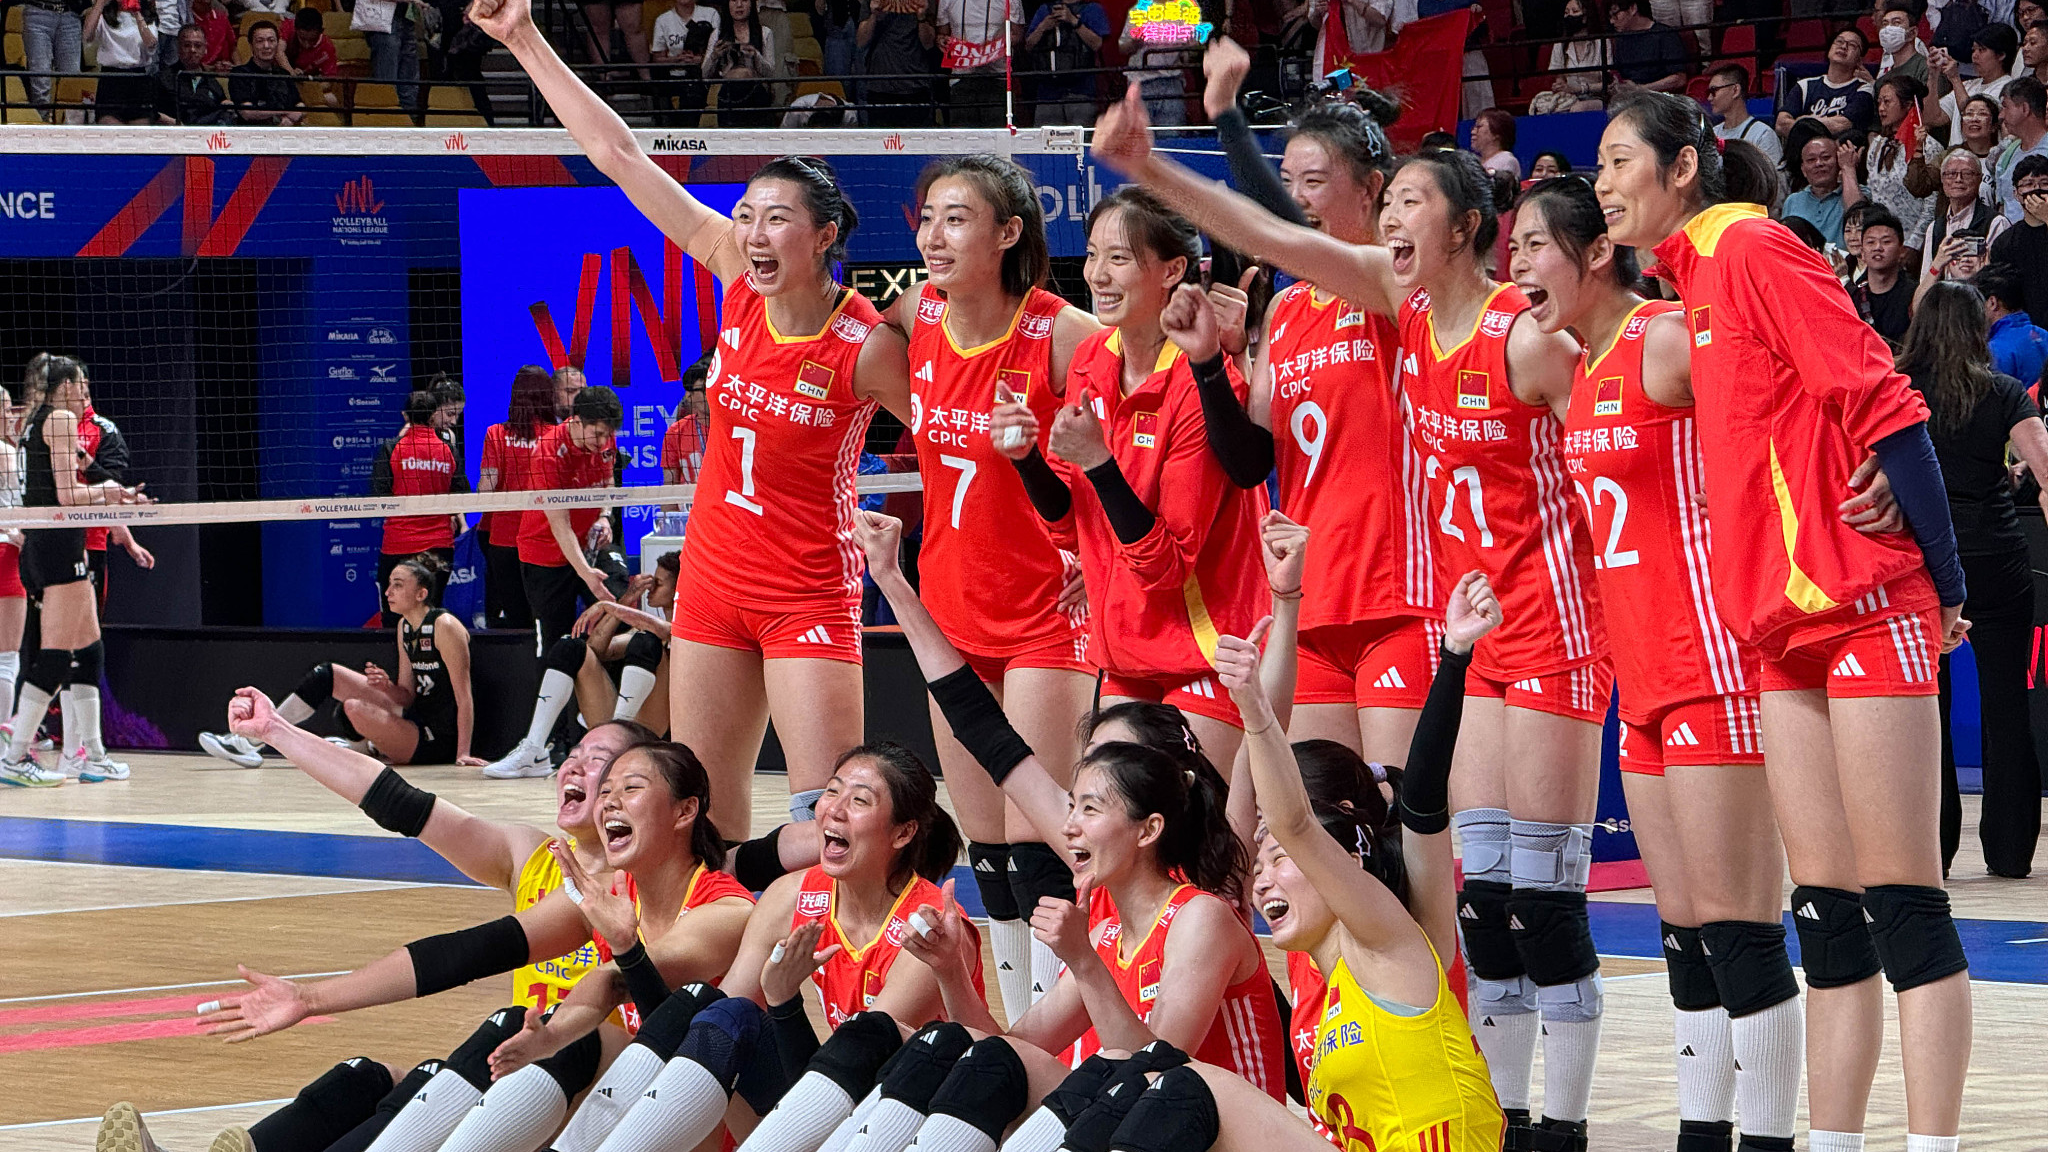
(1692, 981)
(89, 663)
(644, 650)
(1749, 963)
(1080, 1088)
(565, 656)
(1158, 1056)
(722, 1037)
(574, 1067)
(316, 687)
(1552, 935)
(472, 1061)
(1096, 1125)
(1483, 924)
(51, 669)
(853, 1056)
(1914, 933)
(991, 866)
(663, 1029)
(917, 1069)
(351, 1089)
(1036, 871)
(757, 863)
(1834, 941)
(987, 1088)
(1176, 1113)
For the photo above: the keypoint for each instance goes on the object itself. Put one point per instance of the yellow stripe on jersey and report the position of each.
(544, 984)
(1199, 622)
(1799, 587)
(1705, 230)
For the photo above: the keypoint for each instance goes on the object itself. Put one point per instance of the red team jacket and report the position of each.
(512, 457)
(559, 463)
(421, 464)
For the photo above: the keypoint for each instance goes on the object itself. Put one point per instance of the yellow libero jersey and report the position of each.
(544, 984)
(1384, 1082)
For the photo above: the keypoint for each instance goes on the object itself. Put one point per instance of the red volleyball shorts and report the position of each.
(1369, 664)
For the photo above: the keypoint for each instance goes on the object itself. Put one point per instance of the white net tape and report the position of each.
(76, 140)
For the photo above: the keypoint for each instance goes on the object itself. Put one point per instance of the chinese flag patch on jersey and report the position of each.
(1607, 397)
(1012, 385)
(1473, 391)
(871, 987)
(1145, 429)
(1148, 981)
(1702, 330)
(814, 380)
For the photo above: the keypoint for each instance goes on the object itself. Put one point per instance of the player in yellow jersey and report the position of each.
(1396, 1067)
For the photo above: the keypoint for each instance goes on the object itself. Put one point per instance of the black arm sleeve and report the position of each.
(1250, 172)
(1127, 514)
(978, 722)
(1243, 448)
(643, 980)
(1426, 781)
(453, 959)
(1049, 494)
(795, 1042)
(1909, 461)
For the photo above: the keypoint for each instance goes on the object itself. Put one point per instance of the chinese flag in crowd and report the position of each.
(1422, 72)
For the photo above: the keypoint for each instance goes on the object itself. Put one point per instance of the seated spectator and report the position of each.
(1961, 218)
(2019, 348)
(744, 98)
(1885, 297)
(1728, 98)
(2024, 247)
(1065, 41)
(1839, 97)
(1816, 177)
(743, 25)
(125, 42)
(1493, 139)
(974, 39)
(819, 110)
(1549, 164)
(1160, 72)
(895, 41)
(1581, 62)
(190, 93)
(1993, 51)
(683, 36)
(310, 51)
(263, 86)
(2034, 50)
(1647, 54)
(219, 27)
(1848, 257)
(2023, 113)
(1899, 40)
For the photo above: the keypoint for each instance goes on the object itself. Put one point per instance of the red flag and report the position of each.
(1422, 72)
(1336, 42)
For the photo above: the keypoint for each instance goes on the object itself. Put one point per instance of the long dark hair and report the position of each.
(1750, 177)
(913, 797)
(1569, 207)
(1152, 225)
(686, 779)
(1190, 796)
(1948, 341)
(533, 402)
(819, 184)
(1670, 123)
(753, 33)
(1344, 793)
(1469, 188)
(1008, 191)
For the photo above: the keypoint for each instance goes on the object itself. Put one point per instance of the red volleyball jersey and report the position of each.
(1305, 985)
(512, 457)
(1636, 466)
(849, 982)
(559, 463)
(422, 464)
(1247, 1038)
(1346, 466)
(772, 527)
(1791, 389)
(1156, 607)
(990, 568)
(705, 887)
(682, 449)
(90, 433)
(1498, 493)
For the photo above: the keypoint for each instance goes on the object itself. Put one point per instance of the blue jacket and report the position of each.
(2019, 349)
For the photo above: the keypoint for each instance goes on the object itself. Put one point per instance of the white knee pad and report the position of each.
(1516, 996)
(1575, 1003)
(1551, 857)
(1483, 832)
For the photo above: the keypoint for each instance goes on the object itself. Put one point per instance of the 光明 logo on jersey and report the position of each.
(1702, 329)
(931, 311)
(850, 330)
(894, 932)
(1607, 396)
(1145, 430)
(1035, 327)
(814, 380)
(1496, 323)
(1474, 391)
(813, 903)
(1637, 325)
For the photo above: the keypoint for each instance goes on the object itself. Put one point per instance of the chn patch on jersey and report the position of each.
(1474, 390)
(931, 310)
(1348, 318)
(813, 904)
(1145, 430)
(1607, 396)
(870, 987)
(1702, 328)
(1636, 326)
(1035, 327)
(1012, 385)
(1496, 324)
(814, 380)
(1148, 981)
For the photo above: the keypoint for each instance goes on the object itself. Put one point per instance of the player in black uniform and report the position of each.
(53, 560)
(424, 716)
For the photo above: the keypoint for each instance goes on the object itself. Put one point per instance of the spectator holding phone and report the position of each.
(1065, 41)
(2023, 113)
(1993, 50)
(123, 33)
(895, 41)
(2024, 247)
(1962, 218)
(683, 36)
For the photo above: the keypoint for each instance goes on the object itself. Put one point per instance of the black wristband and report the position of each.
(1049, 494)
(397, 806)
(643, 979)
(453, 959)
(1128, 516)
(978, 722)
(1425, 781)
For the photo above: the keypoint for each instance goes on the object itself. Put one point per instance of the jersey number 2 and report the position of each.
(743, 497)
(1611, 556)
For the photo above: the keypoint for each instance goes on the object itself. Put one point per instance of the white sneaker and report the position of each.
(351, 745)
(122, 1130)
(99, 769)
(72, 764)
(26, 773)
(240, 751)
(526, 760)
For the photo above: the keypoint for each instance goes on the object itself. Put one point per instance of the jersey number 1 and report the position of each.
(742, 498)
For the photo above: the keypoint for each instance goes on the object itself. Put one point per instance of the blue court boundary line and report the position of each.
(2008, 950)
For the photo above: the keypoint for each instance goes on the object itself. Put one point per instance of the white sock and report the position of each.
(1706, 1065)
(635, 684)
(294, 710)
(684, 1104)
(943, 1133)
(1770, 1055)
(851, 1126)
(27, 718)
(67, 708)
(1508, 1040)
(10, 672)
(1042, 1131)
(1010, 941)
(1932, 1143)
(82, 720)
(890, 1128)
(1819, 1141)
(518, 1114)
(609, 1099)
(1045, 967)
(805, 1116)
(557, 688)
(433, 1112)
(1569, 1049)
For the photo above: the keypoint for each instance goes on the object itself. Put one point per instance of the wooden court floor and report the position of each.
(101, 965)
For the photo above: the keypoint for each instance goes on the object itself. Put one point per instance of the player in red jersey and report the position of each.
(1325, 412)
(1794, 391)
(1483, 384)
(983, 330)
(1167, 542)
(1691, 744)
(768, 621)
(507, 466)
(419, 461)
(554, 568)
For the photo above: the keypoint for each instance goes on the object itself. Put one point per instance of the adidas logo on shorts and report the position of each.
(817, 635)
(1848, 666)
(1391, 678)
(1532, 685)
(1682, 737)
